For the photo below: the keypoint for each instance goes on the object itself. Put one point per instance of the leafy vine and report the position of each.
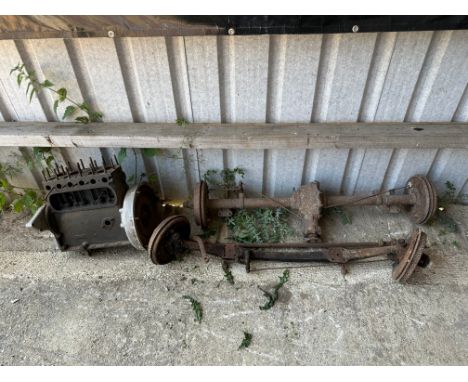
(34, 86)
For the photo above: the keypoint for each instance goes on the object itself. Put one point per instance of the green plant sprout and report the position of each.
(225, 178)
(196, 307)
(27, 199)
(273, 297)
(227, 273)
(182, 122)
(261, 225)
(34, 86)
(246, 341)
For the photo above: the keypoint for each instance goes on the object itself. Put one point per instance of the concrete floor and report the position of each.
(116, 308)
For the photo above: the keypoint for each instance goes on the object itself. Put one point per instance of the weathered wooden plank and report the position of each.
(236, 136)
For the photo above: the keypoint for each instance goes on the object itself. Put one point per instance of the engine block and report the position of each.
(82, 205)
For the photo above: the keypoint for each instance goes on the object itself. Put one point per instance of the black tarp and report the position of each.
(26, 27)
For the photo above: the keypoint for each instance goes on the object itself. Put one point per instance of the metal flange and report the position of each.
(200, 200)
(141, 213)
(425, 199)
(407, 262)
(166, 240)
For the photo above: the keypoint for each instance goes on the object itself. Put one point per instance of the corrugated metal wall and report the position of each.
(411, 76)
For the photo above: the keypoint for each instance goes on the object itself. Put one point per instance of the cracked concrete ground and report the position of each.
(116, 308)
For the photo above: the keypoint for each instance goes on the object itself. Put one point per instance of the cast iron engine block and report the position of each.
(82, 206)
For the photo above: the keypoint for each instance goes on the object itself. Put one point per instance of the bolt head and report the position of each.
(111, 34)
(231, 31)
(355, 28)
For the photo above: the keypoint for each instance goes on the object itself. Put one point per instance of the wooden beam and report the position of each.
(236, 136)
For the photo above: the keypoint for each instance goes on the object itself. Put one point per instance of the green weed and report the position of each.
(273, 297)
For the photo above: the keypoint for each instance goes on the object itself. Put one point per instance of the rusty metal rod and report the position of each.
(297, 252)
(193, 244)
(332, 200)
(247, 203)
(387, 200)
(319, 245)
(326, 254)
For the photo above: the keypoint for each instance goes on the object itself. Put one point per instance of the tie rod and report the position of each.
(172, 236)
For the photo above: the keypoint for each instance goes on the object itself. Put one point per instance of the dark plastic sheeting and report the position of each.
(27, 27)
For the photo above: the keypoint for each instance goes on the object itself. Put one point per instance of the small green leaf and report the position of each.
(196, 307)
(37, 152)
(3, 200)
(181, 122)
(47, 84)
(273, 297)
(41, 150)
(30, 164)
(34, 90)
(19, 78)
(95, 116)
(29, 197)
(227, 273)
(62, 92)
(34, 207)
(151, 152)
(83, 120)
(56, 105)
(31, 75)
(152, 179)
(28, 87)
(49, 159)
(4, 183)
(18, 205)
(247, 340)
(122, 155)
(14, 69)
(69, 111)
(85, 107)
